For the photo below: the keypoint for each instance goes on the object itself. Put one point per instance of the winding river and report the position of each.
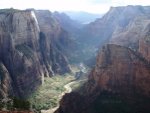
(68, 89)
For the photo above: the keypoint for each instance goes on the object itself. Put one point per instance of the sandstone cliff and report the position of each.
(19, 36)
(120, 82)
(67, 23)
(121, 70)
(120, 25)
(54, 42)
(130, 34)
(5, 82)
(144, 43)
(29, 49)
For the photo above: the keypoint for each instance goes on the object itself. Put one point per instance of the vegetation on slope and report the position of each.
(47, 95)
(14, 104)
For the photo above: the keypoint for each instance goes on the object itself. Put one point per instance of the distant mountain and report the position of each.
(120, 80)
(74, 28)
(70, 25)
(118, 25)
(83, 17)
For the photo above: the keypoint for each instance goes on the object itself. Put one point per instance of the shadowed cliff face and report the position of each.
(19, 51)
(54, 43)
(5, 82)
(28, 51)
(120, 82)
(121, 25)
(67, 23)
(144, 43)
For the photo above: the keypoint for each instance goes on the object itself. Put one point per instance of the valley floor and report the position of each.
(46, 98)
(68, 90)
(48, 95)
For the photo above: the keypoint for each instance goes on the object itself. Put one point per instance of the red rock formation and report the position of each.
(120, 80)
(121, 70)
(144, 44)
(120, 25)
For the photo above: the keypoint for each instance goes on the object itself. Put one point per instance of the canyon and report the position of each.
(37, 44)
(30, 47)
(119, 82)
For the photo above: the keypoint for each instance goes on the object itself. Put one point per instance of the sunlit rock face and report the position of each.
(19, 51)
(120, 80)
(28, 51)
(121, 70)
(120, 25)
(130, 34)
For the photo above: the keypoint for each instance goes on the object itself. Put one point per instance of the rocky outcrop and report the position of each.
(121, 25)
(19, 36)
(121, 70)
(54, 43)
(5, 82)
(120, 78)
(124, 26)
(29, 49)
(144, 44)
(67, 23)
(73, 28)
(130, 34)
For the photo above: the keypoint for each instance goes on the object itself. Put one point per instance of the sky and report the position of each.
(91, 6)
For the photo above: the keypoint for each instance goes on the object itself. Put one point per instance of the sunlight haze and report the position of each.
(92, 6)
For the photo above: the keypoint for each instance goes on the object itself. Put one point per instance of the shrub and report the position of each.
(21, 104)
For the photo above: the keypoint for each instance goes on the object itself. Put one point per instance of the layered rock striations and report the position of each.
(144, 43)
(120, 80)
(19, 51)
(121, 70)
(120, 25)
(67, 23)
(5, 82)
(28, 51)
(130, 34)
(54, 42)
